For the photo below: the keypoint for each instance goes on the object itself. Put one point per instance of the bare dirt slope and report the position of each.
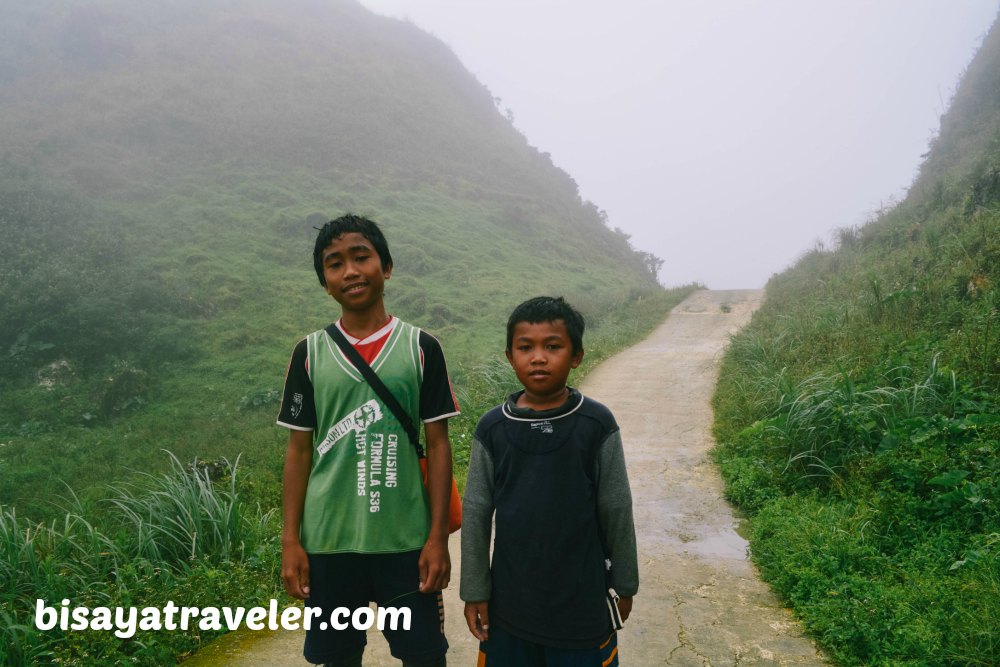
(700, 602)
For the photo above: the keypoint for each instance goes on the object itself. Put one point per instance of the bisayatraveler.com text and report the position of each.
(125, 622)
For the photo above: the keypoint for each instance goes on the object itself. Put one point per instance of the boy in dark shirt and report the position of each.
(549, 462)
(359, 525)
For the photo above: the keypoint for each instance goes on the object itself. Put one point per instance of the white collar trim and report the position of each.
(381, 333)
(509, 415)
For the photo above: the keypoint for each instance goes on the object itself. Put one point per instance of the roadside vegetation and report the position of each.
(858, 415)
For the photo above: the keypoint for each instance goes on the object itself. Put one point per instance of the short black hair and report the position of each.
(548, 309)
(346, 224)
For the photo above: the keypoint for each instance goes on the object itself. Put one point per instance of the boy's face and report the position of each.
(353, 272)
(542, 356)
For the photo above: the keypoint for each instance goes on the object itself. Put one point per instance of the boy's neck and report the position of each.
(539, 403)
(364, 323)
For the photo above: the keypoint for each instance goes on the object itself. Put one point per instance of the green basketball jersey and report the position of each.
(365, 491)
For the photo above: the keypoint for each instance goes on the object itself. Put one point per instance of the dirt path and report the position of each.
(700, 601)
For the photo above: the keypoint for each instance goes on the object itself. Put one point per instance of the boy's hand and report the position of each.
(435, 565)
(625, 606)
(295, 570)
(477, 615)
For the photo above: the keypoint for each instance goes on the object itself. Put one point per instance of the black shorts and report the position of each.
(506, 650)
(390, 580)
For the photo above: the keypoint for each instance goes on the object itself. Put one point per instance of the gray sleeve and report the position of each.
(614, 512)
(477, 526)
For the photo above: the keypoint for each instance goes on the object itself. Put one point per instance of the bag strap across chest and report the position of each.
(377, 386)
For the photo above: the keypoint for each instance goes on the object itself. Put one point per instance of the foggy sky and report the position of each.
(726, 137)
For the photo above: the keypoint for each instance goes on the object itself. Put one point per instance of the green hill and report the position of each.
(859, 413)
(162, 168)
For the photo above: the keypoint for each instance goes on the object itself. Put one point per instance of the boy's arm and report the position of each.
(477, 524)
(294, 562)
(435, 562)
(614, 512)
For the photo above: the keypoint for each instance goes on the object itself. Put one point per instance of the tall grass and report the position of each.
(858, 422)
(183, 515)
(875, 503)
(150, 542)
(826, 421)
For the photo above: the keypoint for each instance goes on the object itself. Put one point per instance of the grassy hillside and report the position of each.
(859, 414)
(162, 171)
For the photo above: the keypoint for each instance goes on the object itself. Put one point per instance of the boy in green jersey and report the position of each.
(359, 525)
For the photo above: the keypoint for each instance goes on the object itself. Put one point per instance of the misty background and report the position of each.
(726, 138)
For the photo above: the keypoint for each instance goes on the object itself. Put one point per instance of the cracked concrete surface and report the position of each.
(701, 602)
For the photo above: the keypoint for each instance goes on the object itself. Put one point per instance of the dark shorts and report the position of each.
(390, 580)
(505, 650)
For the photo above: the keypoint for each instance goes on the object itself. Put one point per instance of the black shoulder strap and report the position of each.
(377, 385)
